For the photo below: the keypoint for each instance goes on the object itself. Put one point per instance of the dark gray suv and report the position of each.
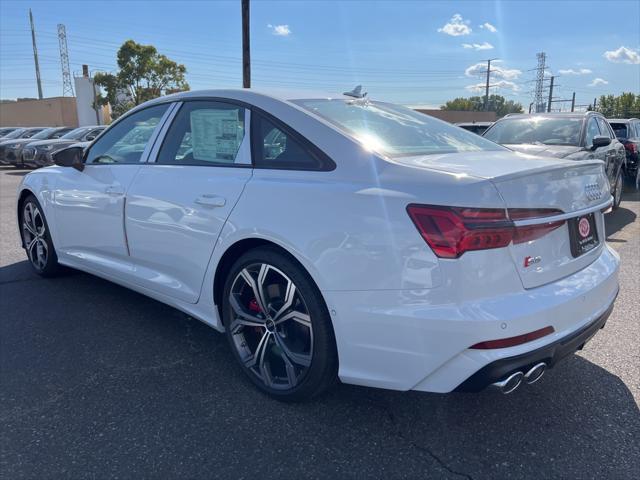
(570, 136)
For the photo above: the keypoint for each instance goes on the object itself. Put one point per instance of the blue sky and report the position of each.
(407, 52)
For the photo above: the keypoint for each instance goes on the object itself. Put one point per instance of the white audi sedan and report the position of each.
(336, 237)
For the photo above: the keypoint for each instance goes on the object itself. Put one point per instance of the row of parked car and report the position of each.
(33, 146)
(572, 136)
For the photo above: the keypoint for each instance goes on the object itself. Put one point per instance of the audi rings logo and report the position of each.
(592, 191)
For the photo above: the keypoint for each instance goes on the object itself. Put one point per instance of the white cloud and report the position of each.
(478, 46)
(280, 30)
(488, 26)
(457, 26)
(497, 72)
(480, 87)
(622, 55)
(571, 71)
(598, 81)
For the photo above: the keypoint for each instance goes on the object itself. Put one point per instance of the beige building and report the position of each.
(48, 112)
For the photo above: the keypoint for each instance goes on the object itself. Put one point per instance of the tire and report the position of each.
(289, 353)
(36, 239)
(617, 192)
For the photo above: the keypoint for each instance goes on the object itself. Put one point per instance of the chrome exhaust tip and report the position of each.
(510, 383)
(535, 374)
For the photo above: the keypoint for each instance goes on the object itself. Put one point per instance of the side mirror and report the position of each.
(600, 141)
(70, 157)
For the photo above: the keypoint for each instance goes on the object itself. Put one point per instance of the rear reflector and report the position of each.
(513, 341)
(451, 231)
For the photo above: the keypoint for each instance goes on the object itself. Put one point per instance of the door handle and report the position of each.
(114, 190)
(211, 200)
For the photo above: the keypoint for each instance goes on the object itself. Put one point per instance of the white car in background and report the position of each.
(336, 237)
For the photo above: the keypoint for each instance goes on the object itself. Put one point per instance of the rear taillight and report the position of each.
(631, 147)
(452, 231)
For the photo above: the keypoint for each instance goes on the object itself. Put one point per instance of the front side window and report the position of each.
(395, 130)
(592, 132)
(536, 130)
(604, 128)
(204, 133)
(127, 139)
(34, 133)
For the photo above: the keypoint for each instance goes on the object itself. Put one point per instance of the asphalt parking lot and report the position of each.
(97, 381)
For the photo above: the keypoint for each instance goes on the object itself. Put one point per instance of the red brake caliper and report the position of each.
(254, 307)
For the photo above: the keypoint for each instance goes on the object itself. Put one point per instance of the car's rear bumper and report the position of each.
(549, 354)
(420, 339)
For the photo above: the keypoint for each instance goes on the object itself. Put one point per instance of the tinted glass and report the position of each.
(592, 131)
(75, 134)
(60, 133)
(44, 134)
(276, 147)
(395, 130)
(536, 130)
(604, 127)
(204, 133)
(15, 134)
(620, 129)
(127, 139)
(32, 133)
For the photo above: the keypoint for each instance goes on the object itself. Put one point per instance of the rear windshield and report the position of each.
(620, 129)
(394, 130)
(536, 130)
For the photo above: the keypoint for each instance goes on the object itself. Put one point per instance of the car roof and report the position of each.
(621, 120)
(553, 115)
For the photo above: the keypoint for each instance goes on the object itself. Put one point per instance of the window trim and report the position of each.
(326, 162)
(153, 156)
(144, 157)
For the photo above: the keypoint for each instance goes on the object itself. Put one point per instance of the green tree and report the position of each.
(497, 103)
(624, 105)
(142, 74)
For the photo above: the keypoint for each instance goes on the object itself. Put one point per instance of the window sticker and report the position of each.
(216, 135)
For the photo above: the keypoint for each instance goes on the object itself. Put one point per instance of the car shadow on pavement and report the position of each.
(18, 173)
(617, 220)
(101, 377)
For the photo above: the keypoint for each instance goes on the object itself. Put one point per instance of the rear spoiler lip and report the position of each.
(562, 164)
(565, 216)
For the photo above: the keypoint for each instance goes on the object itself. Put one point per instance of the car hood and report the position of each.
(484, 164)
(558, 151)
(10, 143)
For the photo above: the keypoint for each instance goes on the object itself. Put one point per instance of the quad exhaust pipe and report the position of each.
(513, 381)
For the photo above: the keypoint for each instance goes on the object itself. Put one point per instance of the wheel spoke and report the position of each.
(29, 228)
(289, 296)
(302, 359)
(257, 291)
(296, 316)
(258, 356)
(242, 316)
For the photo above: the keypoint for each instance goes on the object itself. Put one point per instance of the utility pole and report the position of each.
(486, 88)
(35, 55)
(573, 102)
(595, 102)
(67, 86)
(246, 50)
(550, 95)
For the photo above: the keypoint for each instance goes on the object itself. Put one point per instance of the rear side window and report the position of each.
(276, 146)
(204, 133)
(620, 129)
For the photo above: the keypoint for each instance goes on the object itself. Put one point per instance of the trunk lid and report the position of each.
(528, 182)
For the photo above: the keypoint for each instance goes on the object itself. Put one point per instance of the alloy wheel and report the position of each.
(33, 231)
(270, 326)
